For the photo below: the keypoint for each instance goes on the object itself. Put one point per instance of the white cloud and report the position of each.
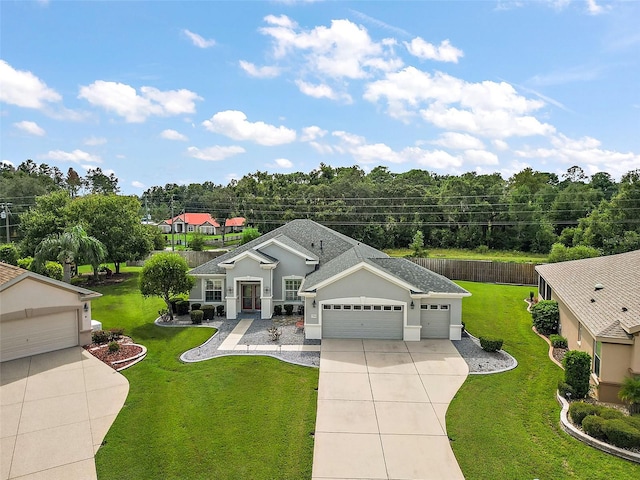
(259, 72)
(481, 157)
(24, 89)
(437, 159)
(94, 141)
(31, 128)
(283, 163)
(138, 184)
(173, 135)
(343, 50)
(312, 133)
(126, 102)
(199, 41)
(214, 153)
(234, 124)
(594, 9)
(445, 52)
(322, 148)
(322, 91)
(76, 156)
(500, 144)
(458, 141)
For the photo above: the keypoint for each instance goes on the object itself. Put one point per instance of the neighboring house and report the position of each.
(599, 300)
(39, 314)
(347, 289)
(201, 222)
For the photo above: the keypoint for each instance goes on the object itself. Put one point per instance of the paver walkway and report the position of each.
(55, 409)
(381, 409)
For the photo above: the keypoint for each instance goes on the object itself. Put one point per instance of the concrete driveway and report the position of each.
(381, 409)
(55, 410)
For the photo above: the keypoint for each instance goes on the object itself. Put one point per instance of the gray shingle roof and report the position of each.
(574, 283)
(337, 252)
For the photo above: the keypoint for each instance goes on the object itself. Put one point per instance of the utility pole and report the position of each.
(172, 222)
(5, 214)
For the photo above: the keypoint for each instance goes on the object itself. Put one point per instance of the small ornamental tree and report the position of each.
(165, 275)
(577, 371)
(249, 234)
(630, 392)
(546, 316)
(417, 245)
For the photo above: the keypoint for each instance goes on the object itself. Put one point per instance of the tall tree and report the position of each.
(165, 275)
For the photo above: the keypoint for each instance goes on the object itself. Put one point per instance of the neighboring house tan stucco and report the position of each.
(39, 314)
(599, 301)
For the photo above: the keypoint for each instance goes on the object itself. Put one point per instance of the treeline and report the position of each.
(529, 211)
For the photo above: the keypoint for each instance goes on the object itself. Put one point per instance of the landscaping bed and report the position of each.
(116, 360)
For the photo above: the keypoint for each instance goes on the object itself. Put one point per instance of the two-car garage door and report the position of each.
(31, 336)
(362, 321)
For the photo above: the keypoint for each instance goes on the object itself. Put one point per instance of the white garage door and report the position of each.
(435, 320)
(31, 336)
(362, 321)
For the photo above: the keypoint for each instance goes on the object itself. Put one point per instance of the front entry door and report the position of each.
(250, 297)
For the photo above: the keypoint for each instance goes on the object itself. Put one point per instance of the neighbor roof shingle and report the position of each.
(615, 309)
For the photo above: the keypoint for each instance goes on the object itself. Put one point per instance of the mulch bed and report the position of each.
(102, 353)
(559, 353)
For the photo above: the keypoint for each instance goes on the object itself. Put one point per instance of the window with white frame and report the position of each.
(291, 287)
(597, 352)
(213, 291)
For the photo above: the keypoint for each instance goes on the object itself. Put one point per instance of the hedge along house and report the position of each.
(346, 289)
(39, 314)
(599, 302)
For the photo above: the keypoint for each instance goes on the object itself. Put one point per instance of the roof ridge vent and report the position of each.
(598, 286)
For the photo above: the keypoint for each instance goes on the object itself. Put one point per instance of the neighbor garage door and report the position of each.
(362, 321)
(31, 336)
(435, 320)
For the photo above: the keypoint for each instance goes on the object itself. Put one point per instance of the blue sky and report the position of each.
(182, 92)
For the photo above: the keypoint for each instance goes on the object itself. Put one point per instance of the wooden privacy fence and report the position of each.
(481, 270)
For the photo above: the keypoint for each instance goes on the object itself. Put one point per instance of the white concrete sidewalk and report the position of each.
(381, 409)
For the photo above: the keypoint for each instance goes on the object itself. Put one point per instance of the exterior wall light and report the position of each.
(412, 305)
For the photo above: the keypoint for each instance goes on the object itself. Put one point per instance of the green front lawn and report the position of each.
(507, 425)
(230, 417)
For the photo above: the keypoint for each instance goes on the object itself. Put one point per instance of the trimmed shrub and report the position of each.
(25, 263)
(99, 336)
(115, 333)
(577, 371)
(197, 242)
(621, 434)
(114, 347)
(491, 344)
(634, 421)
(182, 307)
(173, 301)
(9, 254)
(558, 341)
(277, 309)
(220, 310)
(579, 410)
(610, 413)
(566, 390)
(546, 316)
(288, 308)
(594, 426)
(209, 312)
(196, 316)
(196, 306)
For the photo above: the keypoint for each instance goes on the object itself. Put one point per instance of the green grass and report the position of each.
(463, 254)
(507, 425)
(230, 417)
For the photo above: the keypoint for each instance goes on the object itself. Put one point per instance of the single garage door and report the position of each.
(31, 336)
(362, 321)
(435, 320)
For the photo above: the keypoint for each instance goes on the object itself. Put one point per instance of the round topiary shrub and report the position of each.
(196, 316)
(220, 310)
(196, 306)
(594, 426)
(182, 307)
(491, 344)
(277, 309)
(99, 336)
(558, 341)
(577, 371)
(621, 434)
(209, 312)
(288, 308)
(113, 347)
(546, 316)
(579, 410)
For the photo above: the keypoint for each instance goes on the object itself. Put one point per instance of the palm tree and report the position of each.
(68, 247)
(630, 392)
